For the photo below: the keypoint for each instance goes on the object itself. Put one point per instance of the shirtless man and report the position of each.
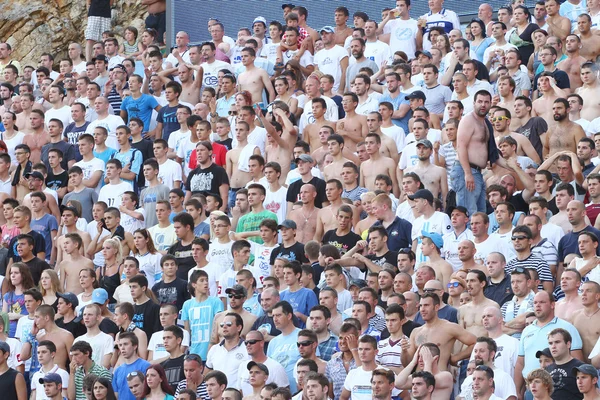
(572, 64)
(255, 80)
(354, 126)
(502, 123)
(281, 138)
(237, 159)
(305, 217)
(74, 262)
(469, 315)
(44, 328)
(69, 222)
(439, 331)
(27, 104)
(427, 358)
(377, 164)
(558, 25)
(431, 246)
(565, 308)
(564, 134)
(434, 178)
(38, 138)
(311, 131)
(506, 91)
(327, 216)
(190, 86)
(323, 151)
(388, 145)
(589, 92)
(583, 319)
(590, 41)
(335, 145)
(542, 106)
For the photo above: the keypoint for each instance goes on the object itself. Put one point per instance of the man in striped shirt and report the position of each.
(390, 349)
(81, 355)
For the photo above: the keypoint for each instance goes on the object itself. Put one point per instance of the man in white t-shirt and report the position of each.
(333, 59)
(211, 66)
(156, 348)
(430, 221)
(405, 33)
(169, 171)
(92, 167)
(112, 192)
(58, 110)
(49, 372)
(102, 343)
(106, 120)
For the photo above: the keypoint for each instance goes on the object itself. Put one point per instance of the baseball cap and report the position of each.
(34, 175)
(237, 290)
(119, 66)
(263, 367)
(425, 143)
(99, 296)
(70, 298)
(458, 208)
(435, 237)
(359, 283)
(4, 347)
(287, 5)
(585, 369)
(260, 19)
(328, 29)
(100, 57)
(422, 194)
(288, 223)
(545, 352)
(305, 158)
(417, 94)
(70, 208)
(51, 378)
(424, 52)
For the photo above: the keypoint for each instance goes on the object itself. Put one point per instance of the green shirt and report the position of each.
(97, 370)
(251, 222)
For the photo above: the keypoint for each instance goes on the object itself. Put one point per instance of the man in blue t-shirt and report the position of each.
(138, 104)
(167, 116)
(128, 347)
(300, 298)
(283, 348)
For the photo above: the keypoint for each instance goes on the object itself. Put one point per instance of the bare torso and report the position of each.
(588, 327)
(355, 125)
(477, 146)
(591, 101)
(590, 47)
(190, 93)
(431, 176)
(282, 156)
(251, 80)
(306, 221)
(565, 309)
(572, 66)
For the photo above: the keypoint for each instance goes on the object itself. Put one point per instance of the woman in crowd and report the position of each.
(19, 281)
(88, 282)
(156, 385)
(49, 286)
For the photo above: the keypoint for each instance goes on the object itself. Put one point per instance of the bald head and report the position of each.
(309, 188)
(254, 335)
(433, 284)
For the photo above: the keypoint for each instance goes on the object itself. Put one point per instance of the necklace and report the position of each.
(305, 217)
(590, 316)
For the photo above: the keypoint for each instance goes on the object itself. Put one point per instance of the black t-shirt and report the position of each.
(36, 266)
(145, 147)
(294, 252)
(390, 257)
(519, 203)
(342, 243)
(228, 143)
(499, 292)
(293, 193)
(146, 317)
(207, 180)
(532, 130)
(482, 71)
(317, 271)
(174, 370)
(108, 326)
(553, 207)
(75, 326)
(175, 293)
(99, 8)
(185, 261)
(72, 133)
(565, 383)
(561, 78)
(39, 246)
(56, 182)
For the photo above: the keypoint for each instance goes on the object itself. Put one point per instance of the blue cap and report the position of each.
(99, 296)
(435, 237)
(51, 378)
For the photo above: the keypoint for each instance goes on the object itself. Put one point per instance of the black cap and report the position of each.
(422, 194)
(100, 57)
(585, 369)
(545, 352)
(417, 94)
(287, 5)
(262, 367)
(458, 208)
(35, 175)
(360, 283)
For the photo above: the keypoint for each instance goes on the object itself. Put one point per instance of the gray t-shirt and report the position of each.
(436, 98)
(87, 197)
(148, 200)
(353, 69)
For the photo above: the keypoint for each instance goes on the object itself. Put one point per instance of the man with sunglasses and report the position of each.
(255, 347)
(521, 239)
(237, 296)
(307, 347)
(230, 353)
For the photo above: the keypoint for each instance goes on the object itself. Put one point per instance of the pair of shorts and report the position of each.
(95, 27)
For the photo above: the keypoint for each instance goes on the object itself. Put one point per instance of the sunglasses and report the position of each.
(228, 323)
(405, 250)
(305, 343)
(498, 119)
(232, 113)
(453, 285)
(518, 237)
(519, 270)
(251, 342)
(430, 290)
(235, 296)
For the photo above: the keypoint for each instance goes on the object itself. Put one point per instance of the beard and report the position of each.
(559, 117)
